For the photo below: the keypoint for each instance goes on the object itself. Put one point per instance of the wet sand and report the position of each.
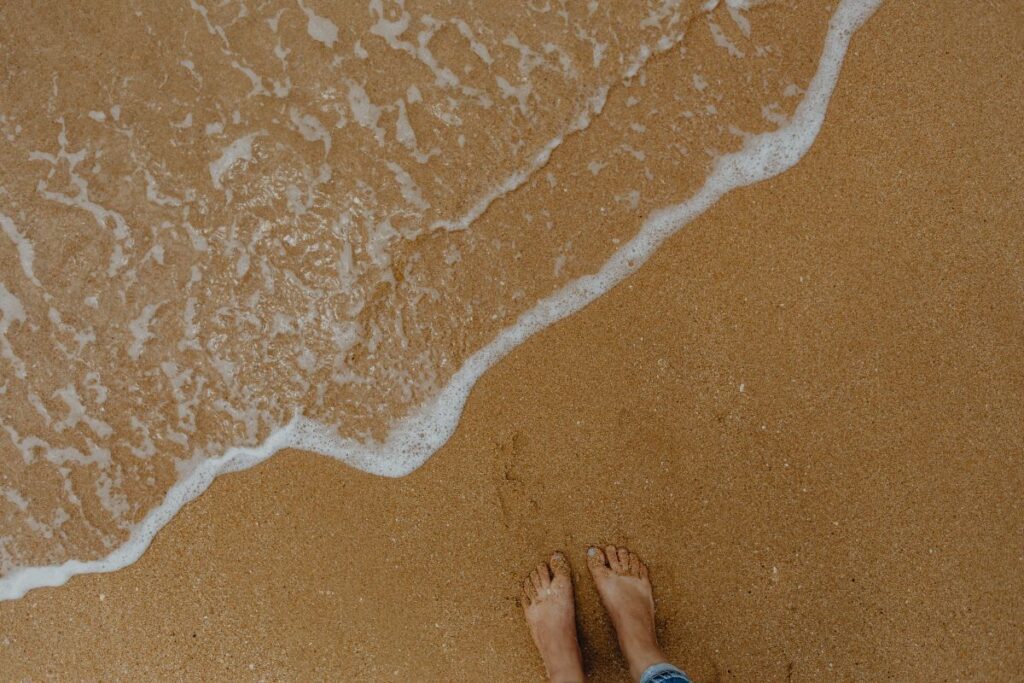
(804, 413)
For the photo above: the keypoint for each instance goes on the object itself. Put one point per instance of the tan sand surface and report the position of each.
(805, 413)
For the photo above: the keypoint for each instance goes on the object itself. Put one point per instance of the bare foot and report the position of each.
(551, 613)
(625, 589)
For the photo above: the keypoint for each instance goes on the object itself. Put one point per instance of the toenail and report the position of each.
(592, 551)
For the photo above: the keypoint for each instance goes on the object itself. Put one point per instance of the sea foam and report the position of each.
(414, 439)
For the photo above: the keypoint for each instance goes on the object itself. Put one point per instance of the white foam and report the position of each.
(310, 128)
(420, 435)
(722, 40)
(595, 105)
(239, 150)
(77, 413)
(11, 311)
(320, 28)
(140, 330)
(365, 112)
(26, 253)
(478, 48)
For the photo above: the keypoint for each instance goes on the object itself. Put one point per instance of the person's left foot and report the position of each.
(547, 601)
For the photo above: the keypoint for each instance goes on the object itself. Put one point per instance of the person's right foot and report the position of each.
(625, 588)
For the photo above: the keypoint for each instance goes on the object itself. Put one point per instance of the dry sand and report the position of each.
(805, 413)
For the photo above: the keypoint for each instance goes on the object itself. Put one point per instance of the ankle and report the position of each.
(641, 655)
(564, 665)
(576, 677)
(566, 673)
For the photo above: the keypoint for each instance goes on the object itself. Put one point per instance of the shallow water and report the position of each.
(255, 225)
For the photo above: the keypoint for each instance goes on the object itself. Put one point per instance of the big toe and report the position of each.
(596, 561)
(559, 566)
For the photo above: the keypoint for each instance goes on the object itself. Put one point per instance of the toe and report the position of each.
(643, 571)
(535, 580)
(613, 559)
(623, 561)
(559, 565)
(524, 598)
(530, 591)
(544, 574)
(596, 561)
(634, 565)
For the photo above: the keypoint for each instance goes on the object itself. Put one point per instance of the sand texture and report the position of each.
(806, 413)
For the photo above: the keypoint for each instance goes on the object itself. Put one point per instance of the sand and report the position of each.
(804, 413)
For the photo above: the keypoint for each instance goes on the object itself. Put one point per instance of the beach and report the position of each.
(804, 412)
